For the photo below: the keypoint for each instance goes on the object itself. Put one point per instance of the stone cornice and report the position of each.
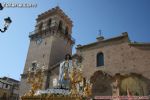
(104, 41)
(55, 11)
(140, 44)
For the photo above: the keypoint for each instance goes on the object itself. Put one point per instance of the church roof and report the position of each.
(5, 82)
(54, 11)
(124, 35)
(9, 79)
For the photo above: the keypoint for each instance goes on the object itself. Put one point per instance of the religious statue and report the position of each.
(64, 72)
(71, 84)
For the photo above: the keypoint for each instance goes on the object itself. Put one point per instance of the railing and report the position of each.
(49, 29)
(36, 31)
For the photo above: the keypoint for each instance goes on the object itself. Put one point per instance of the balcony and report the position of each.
(69, 37)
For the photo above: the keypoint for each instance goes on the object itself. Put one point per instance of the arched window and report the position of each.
(100, 59)
(60, 26)
(49, 23)
(66, 31)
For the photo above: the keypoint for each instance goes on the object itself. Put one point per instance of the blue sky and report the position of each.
(111, 16)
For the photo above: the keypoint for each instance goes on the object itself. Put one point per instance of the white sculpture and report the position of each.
(64, 72)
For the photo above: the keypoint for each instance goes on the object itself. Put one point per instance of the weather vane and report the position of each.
(7, 21)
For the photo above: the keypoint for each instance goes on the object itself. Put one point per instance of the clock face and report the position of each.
(39, 40)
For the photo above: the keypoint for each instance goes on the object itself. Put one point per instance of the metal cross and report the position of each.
(100, 33)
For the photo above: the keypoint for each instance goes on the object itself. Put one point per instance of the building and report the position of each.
(9, 89)
(117, 58)
(49, 44)
(5, 88)
(114, 65)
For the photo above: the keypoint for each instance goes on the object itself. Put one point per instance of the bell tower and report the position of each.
(49, 43)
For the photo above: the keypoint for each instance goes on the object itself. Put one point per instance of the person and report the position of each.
(64, 72)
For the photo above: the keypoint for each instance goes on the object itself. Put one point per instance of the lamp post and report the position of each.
(7, 21)
(1, 7)
(6, 25)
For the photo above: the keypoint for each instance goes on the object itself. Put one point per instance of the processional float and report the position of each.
(71, 83)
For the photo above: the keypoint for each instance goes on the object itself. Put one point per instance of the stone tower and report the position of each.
(49, 44)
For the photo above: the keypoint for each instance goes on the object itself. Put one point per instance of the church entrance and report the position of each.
(101, 84)
(134, 84)
(119, 85)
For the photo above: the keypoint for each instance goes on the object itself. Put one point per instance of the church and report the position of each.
(115, 66)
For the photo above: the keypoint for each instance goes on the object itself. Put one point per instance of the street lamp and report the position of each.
(1, 7)
(7, 21)
(6, 25)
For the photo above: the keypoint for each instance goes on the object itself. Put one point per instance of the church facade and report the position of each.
(108, 60)
(113, 65)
